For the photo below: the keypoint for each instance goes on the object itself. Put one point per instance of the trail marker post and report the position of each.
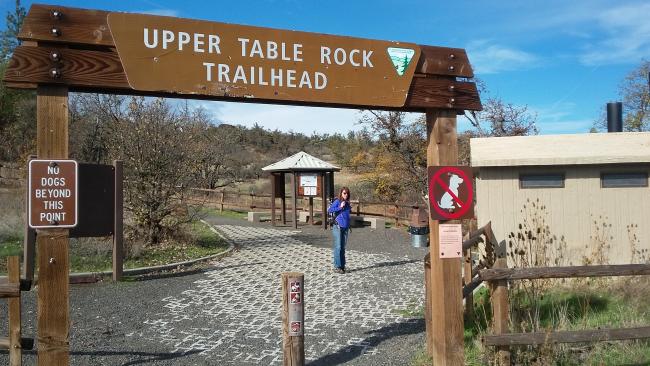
(293, 319)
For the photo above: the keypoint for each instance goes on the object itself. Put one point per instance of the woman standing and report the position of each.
(341, 209)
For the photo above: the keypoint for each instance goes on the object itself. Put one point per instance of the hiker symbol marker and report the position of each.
(451, 194)
(295, 327)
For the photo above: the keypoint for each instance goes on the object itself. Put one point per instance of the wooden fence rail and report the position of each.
(495, 274)
(502, 339)
(571, 336)
(400, 213)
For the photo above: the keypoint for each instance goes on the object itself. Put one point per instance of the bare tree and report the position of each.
(502, 119)
(635, 94)
(636, 98)
(154, 141)
(398, 160)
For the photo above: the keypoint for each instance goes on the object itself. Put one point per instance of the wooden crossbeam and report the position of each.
(25, 343)
(575, 336)
(75, 26)
(9, 290)
(564, 272)
(101, 71)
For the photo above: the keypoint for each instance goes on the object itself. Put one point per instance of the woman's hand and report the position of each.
(342, 204)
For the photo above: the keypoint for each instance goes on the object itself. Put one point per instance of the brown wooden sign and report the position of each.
(108, 52)
(52, 193)
(197, 57)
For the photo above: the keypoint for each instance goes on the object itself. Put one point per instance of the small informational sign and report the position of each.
(451, 192)
(451, 240)
(308, 180)
(52, 193)
(308, 185)
(309, 191)
(295, 306)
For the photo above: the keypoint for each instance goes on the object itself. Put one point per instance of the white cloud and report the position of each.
(560, 119)
(487, 58)
(306, 120)
(627, 37)
(162, 12)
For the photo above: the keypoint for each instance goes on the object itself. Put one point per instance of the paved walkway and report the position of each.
(228, 312)
(238, 311)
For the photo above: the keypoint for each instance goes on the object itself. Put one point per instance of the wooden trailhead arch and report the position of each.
(66, 49)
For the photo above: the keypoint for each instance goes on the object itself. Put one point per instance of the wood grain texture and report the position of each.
(98, 71)
(76, 26)
(444, 61)
(53, 297)
(78, 68)
(446, 281)
(15, 351)
(500, 312)
(576, 336)
(427, 308)
(9, 290)
(52, 244)
(565, 272)
(443, 93)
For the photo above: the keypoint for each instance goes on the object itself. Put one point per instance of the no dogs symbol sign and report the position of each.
(451, 194)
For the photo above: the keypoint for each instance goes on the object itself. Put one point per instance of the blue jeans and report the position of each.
(340, 239)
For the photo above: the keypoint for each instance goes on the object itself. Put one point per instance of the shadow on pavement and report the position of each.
(384, 264)
(152, 356)
(350, 352)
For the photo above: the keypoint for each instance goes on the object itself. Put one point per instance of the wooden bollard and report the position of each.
(293, 319)
(427, 310)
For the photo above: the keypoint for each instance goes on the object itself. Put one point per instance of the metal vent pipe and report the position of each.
(615, 117)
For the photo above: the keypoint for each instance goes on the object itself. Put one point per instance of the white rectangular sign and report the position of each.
(451, 240)
(308, 181)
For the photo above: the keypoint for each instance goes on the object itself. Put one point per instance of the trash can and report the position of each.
(419, 228)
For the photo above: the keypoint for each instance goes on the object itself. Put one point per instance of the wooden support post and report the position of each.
(274, 179)
(427, 308)
(500, 309)
(118, 226)
(294, 194)
(293, 319)
(15, 350)
(467, 272)
(29, 244)
(323, 197)
(52, 244)
(311, 210)
(396, 216)
(446, 286)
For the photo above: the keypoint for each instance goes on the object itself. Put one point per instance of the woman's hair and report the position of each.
(346, 189)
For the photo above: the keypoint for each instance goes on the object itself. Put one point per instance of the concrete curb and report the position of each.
(89, 277)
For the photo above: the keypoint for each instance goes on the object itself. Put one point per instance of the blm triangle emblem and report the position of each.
(401, 57)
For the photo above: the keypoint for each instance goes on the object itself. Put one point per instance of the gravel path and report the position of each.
(229, 311)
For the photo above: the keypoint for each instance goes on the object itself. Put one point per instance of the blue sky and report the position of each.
(563, 59)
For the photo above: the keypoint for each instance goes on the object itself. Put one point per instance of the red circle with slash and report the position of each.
(464, 206)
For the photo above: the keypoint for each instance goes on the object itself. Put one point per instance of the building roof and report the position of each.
(578, 149)
(301, 161)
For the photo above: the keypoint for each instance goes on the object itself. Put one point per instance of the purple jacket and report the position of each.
(343, 214)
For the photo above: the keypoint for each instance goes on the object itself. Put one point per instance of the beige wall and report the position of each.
(570, 211)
